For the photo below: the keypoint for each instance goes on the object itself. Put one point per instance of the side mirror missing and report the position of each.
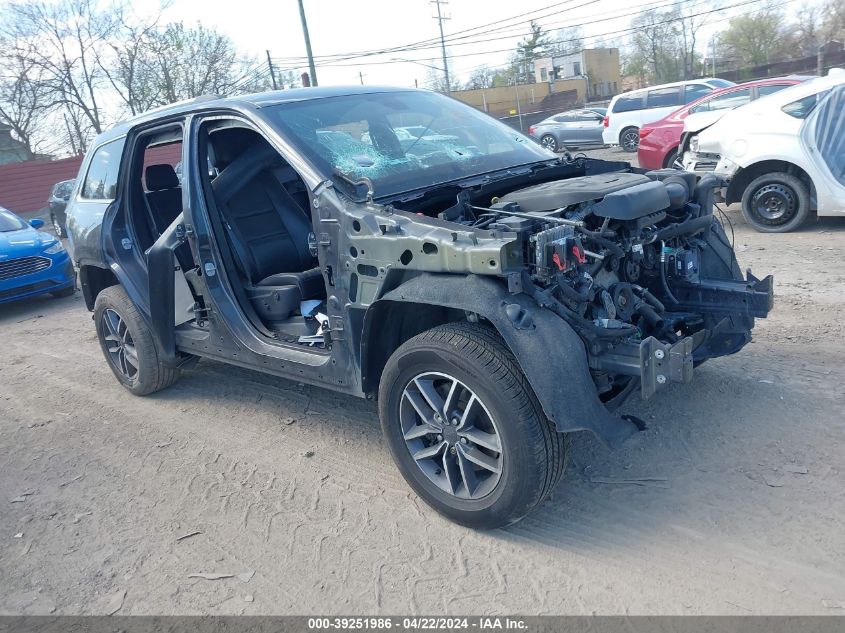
(37, 223)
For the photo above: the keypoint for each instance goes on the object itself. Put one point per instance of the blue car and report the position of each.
(31, 262)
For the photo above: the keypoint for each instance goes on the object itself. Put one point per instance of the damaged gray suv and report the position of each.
(399, 245)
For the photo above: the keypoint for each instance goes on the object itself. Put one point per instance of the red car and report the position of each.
(659, 140)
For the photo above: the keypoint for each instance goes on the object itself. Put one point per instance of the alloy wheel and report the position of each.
(451, 435)
(630, 140)
(119, 342)
(549, 142)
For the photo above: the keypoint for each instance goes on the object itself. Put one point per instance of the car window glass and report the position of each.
(725, 101)
(695, 91)
(628, 104)
(101, 179)
(720, 83)
(10, 222)
(587, 116)
(663, 97)
(830, 133)
(563, 118)
(771, 89)
(802, 107)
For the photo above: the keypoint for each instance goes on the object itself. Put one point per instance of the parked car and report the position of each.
(629, 111)
(575, 128)
(659, 140)
(492, 296)
(31, 262)
(57, 202)
(781, 156)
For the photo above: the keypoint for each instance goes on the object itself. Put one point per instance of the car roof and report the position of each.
(640, 91)
(251, 101)
(801, 90)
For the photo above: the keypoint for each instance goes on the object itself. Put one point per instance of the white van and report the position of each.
(629, 111)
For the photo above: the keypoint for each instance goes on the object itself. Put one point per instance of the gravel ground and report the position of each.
(110, 503)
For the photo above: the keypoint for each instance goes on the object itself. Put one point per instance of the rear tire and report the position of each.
(629, 139)
(127, 344)
(531, 455)
(60, 230)
(776, 203)
(671, 158)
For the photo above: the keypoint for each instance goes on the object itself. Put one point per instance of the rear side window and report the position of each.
(762, 91)
(801, 109)
(664, 97)
(101, 179)
(725, 102)
(695, 91)
(628, 104)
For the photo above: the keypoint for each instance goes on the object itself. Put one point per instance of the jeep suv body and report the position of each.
(491, 295)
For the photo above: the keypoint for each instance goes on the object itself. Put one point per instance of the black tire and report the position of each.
(549, 142)
(669, 162)
(533, 453)
(150, 375)
(629, 139)
(60, 230)
(775, 203)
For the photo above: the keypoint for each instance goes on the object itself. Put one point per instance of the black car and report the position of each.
(59, 196)
(492, 296)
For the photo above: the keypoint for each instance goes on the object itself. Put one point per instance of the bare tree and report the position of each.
(655, 44)
(65, 42)
(567, 41)
(24, 101)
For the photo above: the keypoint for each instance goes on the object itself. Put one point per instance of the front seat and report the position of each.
(268, 232)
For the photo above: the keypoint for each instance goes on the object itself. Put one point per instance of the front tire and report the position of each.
(776, 203)
(127, 344)
(465, 428)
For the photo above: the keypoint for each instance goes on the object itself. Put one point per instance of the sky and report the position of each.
(344, 26)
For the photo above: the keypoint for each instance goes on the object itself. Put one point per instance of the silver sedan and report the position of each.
(576, 128)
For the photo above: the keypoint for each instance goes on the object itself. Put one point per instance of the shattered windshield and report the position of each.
(830, 132)
(401, 141)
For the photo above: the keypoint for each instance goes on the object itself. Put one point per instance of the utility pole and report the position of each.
(361, 77)
(272, 72)
(713, 53)
(440, 17)
(311, 68)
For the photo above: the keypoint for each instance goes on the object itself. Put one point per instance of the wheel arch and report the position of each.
(745, 175)
(625, 128)
(561, 381)
(93, 280)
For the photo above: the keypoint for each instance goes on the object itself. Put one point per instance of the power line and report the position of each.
(605, 34)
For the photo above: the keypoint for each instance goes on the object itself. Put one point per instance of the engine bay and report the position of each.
(636, 263)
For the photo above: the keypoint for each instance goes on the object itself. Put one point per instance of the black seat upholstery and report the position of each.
(164, 194)
(268, 233)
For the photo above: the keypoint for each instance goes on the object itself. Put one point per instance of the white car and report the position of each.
(628, 112)
(782, 156)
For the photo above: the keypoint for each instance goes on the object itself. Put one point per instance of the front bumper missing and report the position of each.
(656, 364)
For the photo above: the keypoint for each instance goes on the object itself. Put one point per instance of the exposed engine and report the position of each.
(639, 267)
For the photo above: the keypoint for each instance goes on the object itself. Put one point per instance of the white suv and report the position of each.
(782, 155)
(629, 111)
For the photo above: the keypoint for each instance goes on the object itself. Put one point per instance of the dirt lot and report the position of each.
(291, 489)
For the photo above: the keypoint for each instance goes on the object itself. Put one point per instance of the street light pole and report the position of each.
(311, 68)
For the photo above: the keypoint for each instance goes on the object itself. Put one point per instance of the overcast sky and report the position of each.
(344, 26)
